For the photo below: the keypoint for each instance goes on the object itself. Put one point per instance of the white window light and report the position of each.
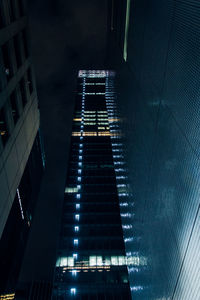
(79, 178)
(76, 228)
(76, 242)
(77, 217)
(20, 204)
(114, 260)
(79, 171)
(80, 157)
(78, 205)
(80, 145)
(73, 291)
(75, 255)
(78, 196)
(63, 262)
(92, 261)
(80, 164)
(99, 261)
(74, 272)
(70, 261)
(80, 151)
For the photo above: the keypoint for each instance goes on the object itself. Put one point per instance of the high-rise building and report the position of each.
(155, 46)
(21, 155)
(91, 261)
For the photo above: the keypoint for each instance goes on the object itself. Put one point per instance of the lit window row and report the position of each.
(90, 123)
(100, 261)
(93, 83)
(90, 94)
(7, 297)
(93, 133)
(114, 120)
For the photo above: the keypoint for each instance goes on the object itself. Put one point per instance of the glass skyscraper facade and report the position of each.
(154, 47)
(91, 260)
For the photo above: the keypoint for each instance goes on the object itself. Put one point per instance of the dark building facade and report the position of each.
(21, 154)
(91, 260)
(154, 45)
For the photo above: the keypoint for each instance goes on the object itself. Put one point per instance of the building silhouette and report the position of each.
(91, 261)
(21, 155)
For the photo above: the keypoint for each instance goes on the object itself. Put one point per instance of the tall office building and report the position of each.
(155, 45)
(21, 161)
(91, 261)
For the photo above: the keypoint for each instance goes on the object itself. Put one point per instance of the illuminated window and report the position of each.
(122, 260)
(90, 134)
(93, 261)
(114, 120)
(78, 206)
(74, 272)
(107, 261)
(99, 261)
(20, 204)
(76, 134)
(77, 119)
(114, 260)
(73, 291)
(63, 262)
(90, 123)
(70, 261)
(76, 228)
(76, 242)
(104, 133)
(71, 190)
(78, 196)
(77, 217)
(7, 297)
(90, 119)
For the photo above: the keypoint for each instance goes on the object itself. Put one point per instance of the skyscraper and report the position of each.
(155, 45)
(21, 155)
(91, 261)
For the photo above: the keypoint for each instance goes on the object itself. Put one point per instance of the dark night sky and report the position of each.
(66, 36)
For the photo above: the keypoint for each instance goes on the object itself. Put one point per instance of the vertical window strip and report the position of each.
(126, 29)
